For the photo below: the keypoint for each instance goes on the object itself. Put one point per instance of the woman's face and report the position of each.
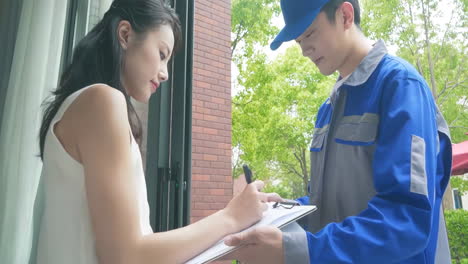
(145, 59)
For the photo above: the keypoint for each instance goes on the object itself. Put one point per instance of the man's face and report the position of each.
(323, 43)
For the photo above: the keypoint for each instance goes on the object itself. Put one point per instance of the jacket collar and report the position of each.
(368, 65)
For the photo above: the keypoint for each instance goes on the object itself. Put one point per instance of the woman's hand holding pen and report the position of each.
(247, 208)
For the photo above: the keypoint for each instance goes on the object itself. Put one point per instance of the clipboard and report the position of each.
(278, 216)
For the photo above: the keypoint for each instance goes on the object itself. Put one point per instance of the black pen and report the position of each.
(247, 173)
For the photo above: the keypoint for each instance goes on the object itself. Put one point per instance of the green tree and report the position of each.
(460, 183)
(273, 118)
(251, 26)
(457, 231)
(284, 165)
(430, 34)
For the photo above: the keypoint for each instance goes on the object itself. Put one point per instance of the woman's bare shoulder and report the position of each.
(102, 97)
(99, 113)
(99, 102)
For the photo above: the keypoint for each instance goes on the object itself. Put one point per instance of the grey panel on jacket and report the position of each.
(349, 195)
(319, 136)
(418, 166)
(358, 128)
(295, 244)
(443, 251)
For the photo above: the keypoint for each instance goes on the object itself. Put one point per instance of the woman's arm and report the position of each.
(102, 137)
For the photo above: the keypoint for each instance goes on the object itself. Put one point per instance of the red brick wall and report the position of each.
(211, 126)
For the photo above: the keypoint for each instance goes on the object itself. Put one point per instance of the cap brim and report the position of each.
(293, 31)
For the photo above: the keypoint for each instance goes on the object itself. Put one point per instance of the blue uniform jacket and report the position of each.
(380, 162)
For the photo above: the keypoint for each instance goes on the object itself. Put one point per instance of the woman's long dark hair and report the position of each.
(98, 57)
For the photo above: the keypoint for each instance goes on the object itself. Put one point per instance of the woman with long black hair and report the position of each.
(96, 209)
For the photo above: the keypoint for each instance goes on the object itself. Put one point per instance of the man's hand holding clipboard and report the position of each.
(263, 237)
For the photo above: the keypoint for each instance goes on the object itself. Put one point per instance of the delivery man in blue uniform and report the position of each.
(380, 153)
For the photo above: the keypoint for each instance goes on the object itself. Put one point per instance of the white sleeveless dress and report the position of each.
(66, 235)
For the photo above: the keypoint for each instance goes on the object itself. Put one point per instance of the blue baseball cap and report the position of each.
(298, 15)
